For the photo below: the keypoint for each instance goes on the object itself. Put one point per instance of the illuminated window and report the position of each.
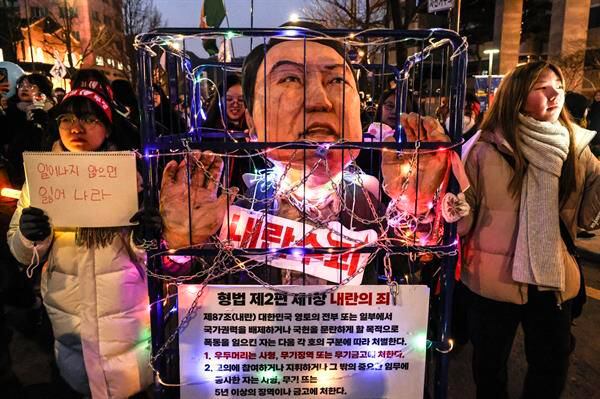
(120, 65)
(99, 61)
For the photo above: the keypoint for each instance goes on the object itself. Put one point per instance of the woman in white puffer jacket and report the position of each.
(94, 282)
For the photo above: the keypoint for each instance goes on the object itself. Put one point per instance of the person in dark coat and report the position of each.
(24, 123)
(166, 118)
(594, 122)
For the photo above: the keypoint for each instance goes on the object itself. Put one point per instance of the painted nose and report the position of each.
(317, 98)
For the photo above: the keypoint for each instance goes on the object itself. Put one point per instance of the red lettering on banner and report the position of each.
(247, 232)
(233, 228)
(273, 233)
(311, 240)
(288, 237)
(255, 234)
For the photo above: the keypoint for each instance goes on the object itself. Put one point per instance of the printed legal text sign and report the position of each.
(252, 342)
(88, 189)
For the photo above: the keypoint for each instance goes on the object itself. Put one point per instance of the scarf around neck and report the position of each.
(540, 250)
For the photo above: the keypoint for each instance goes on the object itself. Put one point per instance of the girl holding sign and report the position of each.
(94, 280)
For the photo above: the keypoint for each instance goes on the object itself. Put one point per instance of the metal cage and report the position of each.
(435, 68)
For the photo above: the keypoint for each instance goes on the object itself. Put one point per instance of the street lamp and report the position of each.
(491, 53)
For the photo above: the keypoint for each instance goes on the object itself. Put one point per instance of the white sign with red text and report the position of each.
(252, 229)
(252, 342)
(83, 189)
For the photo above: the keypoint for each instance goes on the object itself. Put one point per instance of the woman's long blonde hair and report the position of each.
(504, 115)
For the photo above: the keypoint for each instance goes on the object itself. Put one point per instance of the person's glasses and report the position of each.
(231, 99)
(26, 85)
(67, 121)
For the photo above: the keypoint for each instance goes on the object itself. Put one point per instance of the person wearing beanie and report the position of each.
(94, 284)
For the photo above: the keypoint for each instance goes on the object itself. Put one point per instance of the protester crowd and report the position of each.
(99, 348)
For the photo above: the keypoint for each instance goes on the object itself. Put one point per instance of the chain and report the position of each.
(148, 244)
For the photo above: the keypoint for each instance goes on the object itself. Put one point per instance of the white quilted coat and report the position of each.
(97, 300)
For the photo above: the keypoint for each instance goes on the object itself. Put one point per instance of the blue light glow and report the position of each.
(297, 252)
(420, 342)
(290, 33)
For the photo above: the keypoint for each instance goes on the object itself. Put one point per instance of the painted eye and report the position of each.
(290, 79)
(339, 80)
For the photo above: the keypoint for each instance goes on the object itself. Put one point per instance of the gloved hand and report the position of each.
(34, 224)
(149, 226)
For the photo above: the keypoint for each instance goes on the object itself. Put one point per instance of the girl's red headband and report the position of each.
(95, 97)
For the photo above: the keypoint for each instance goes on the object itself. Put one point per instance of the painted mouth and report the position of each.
(316, 131)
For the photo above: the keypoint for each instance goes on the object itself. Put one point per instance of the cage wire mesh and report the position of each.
(327, 174)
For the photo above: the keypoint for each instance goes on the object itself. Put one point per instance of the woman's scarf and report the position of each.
(540, 251)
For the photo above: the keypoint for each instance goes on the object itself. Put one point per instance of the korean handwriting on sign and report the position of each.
(92, 194)
(47, 171)
(109, 171)
(50, 194)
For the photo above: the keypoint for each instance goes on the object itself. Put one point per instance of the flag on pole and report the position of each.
(211, 16)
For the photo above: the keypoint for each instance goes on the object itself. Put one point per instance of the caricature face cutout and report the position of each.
(330, 112)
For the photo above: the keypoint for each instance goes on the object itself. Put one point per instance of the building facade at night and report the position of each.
(88, 33)
(566, 32)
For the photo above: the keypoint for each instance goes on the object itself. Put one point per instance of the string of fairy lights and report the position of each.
(399, 231)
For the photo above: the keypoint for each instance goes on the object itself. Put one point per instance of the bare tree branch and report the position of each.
(138, 16)
(348, 13)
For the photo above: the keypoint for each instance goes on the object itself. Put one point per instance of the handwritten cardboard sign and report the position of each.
(252, 229)
(85, 189)
(252, 342)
